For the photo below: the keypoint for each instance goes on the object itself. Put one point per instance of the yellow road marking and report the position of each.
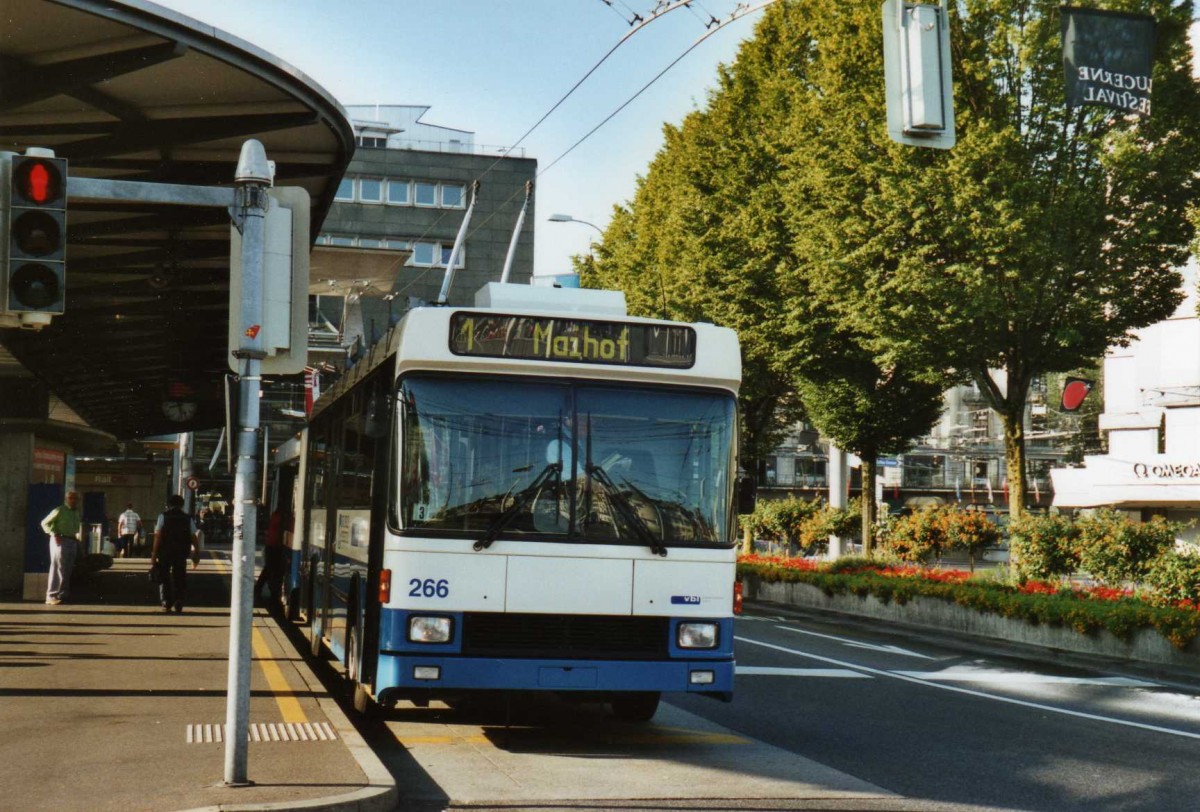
(289, 706)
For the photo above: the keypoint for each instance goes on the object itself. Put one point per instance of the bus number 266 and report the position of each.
(428, 588)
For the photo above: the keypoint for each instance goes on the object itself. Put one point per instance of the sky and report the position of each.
(494, 67)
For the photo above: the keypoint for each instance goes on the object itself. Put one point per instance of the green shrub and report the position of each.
(1116, 549)
(781, 520)
(1173, 577)
(916, 537)
(815, 530)
(968, 530)
(933, 531)
(1079, 611)
(1043, 547)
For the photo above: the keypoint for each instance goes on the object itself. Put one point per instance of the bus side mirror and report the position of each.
(747, 494)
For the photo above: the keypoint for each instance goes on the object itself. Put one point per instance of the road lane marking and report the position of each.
(978, 694)
(289, 706)
(967, 674)
(767, 671)
(859, 644)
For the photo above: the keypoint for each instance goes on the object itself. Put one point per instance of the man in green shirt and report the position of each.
(65, 530)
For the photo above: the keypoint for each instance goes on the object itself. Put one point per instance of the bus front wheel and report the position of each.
(639, 706)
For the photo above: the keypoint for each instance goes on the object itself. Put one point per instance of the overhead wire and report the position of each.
(741, 11)
(659, 12)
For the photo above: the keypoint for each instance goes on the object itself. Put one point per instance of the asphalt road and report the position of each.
(930, 721)
(827, 715)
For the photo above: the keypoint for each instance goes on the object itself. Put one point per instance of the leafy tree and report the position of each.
(677, 254)
(1044, 236)
(867, 411)
(707, 237)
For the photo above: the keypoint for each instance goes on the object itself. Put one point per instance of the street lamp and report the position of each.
(566, 218)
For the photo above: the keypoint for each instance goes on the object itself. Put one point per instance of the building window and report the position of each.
(425, 194)
(423, 253)
(370, 190)
(399, 192)
(345, 190)
(434, 254)
(369, 242)
(397, 245)
(371, 141)
(341, 239)
(453, 195)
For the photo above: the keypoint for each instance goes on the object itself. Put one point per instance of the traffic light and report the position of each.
(36, 230)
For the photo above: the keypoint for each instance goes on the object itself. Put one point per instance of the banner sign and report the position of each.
(1108, 57)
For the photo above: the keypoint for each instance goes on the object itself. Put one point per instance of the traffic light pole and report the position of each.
(249, 213)
(248, 203)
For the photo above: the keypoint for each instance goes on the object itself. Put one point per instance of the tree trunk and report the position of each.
(1014, 459)
(868, 505)
(747, 541)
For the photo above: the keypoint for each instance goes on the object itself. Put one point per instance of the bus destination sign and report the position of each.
(550, 338)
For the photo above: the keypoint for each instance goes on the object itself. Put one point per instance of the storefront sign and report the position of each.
(48, 466)
(1178, 470)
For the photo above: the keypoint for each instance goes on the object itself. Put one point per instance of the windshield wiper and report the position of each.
(523, 498)
(621, 502)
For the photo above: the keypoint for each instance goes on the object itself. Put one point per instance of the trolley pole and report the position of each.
(249, 213)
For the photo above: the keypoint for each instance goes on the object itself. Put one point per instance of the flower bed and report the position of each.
(1086, 610)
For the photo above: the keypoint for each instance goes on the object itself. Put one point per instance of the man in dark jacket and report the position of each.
(174, 537)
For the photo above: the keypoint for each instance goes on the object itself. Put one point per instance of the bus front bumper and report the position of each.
(399, 675)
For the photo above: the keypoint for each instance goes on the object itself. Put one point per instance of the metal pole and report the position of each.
(448, 279)
(217, 451)
(185, 471)
(837, 493)
(249, 215)
(512, 245)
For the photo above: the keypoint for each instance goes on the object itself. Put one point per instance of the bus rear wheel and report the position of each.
(639, 706)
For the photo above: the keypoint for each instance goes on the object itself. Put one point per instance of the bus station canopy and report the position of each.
(127, 90)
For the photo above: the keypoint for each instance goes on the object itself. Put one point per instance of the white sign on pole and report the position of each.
(285, 283)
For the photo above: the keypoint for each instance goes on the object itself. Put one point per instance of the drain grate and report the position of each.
(265, 732)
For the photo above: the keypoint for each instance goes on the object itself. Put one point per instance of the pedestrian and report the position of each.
(129, 527)
(174, 537)
(65, 529)
(274, 551)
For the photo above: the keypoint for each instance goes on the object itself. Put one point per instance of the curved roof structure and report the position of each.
(125, 89)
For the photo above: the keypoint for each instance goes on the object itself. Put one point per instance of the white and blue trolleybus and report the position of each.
(533, 494)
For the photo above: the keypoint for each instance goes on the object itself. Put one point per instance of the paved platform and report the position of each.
(108, 703)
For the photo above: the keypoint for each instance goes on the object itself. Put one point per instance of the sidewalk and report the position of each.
(108, 703)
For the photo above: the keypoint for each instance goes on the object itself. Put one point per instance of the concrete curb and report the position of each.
(380, 794)
(1145, 647)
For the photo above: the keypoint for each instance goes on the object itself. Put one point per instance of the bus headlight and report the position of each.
(422, 629)
(696, 635)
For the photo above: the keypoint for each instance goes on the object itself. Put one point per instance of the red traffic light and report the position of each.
(38, 181)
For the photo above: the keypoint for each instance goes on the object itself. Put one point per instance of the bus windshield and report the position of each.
(491, 458)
